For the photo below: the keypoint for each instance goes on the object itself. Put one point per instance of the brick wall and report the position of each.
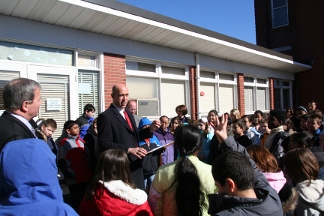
(114, 72)
(240, 93)
(305, 35)
(271, 92)
(193, 92)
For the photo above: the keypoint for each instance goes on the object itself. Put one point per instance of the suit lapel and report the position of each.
(121, 118)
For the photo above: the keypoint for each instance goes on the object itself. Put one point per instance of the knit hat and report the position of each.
(301, 108)
(143, 122)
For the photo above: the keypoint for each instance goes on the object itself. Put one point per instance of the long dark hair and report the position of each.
(112, 165)
(189, 195)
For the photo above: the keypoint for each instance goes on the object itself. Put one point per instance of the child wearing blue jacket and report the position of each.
(152, 160)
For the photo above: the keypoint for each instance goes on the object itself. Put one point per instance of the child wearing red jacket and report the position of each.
(72, 160)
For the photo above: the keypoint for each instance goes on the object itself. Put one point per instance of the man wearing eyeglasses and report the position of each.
(132, 107)
(22, 100)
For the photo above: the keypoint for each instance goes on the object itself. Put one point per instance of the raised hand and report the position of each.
(220, 127)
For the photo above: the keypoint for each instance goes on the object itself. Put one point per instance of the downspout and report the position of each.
(198, 84)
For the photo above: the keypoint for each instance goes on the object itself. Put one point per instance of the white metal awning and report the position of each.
(121, 20)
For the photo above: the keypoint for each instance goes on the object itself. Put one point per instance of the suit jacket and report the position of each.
(12, 128)
(115, 133)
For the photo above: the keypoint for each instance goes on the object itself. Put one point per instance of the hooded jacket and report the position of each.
(311, 198)
(117, 198)
(28, 180)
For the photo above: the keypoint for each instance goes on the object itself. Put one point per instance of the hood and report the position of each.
(312, 193)
(28, 173)
(125, 192)
(143, 122)
(276, 180)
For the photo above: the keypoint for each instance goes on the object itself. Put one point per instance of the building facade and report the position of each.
(295, 28)
(77, 50)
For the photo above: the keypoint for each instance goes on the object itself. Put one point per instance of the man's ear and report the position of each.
(231, 185)
(24, 106)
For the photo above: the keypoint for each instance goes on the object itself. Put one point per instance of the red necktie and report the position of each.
(128, 120)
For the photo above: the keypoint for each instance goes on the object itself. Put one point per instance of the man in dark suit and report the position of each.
(117, 130)
(22, 99)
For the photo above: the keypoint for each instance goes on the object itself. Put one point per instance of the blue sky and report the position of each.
(234, 18)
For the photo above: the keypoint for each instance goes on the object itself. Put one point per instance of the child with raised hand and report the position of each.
(72, 160)
(242, 187)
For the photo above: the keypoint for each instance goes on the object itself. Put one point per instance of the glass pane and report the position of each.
(87, 61)
(262, 81)
(226, 77)
(172, 95)
(206, 74)
(173, 70)
(142, 88)
(286, 98)
(287, 84)
(226, 98)
(261, 99)
(140, 66)
(29, 53)
(279, 3)
(248, 99)
(88, 90)
(207, 97)
(249, 79)
(280, 17)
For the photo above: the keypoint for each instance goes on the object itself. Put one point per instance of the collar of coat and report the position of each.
(125, 192)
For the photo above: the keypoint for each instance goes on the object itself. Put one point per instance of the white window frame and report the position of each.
(278, 84)
(98, 69)
(256, 85)
(217, 81)
(274, 19)
(158, 74)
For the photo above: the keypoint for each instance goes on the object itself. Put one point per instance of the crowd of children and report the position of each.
(286, 147)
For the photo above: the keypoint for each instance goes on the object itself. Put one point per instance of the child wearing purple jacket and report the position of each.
(165, 136)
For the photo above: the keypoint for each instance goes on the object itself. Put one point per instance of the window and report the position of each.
(155, 83)
(256, 94)
(173, 94)
(88, 90)
(138, 66)
(218, 91)
(208, 100)
(282, 94)
(37, 54)
(226, 98)
(88, 65)
(279, 13)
